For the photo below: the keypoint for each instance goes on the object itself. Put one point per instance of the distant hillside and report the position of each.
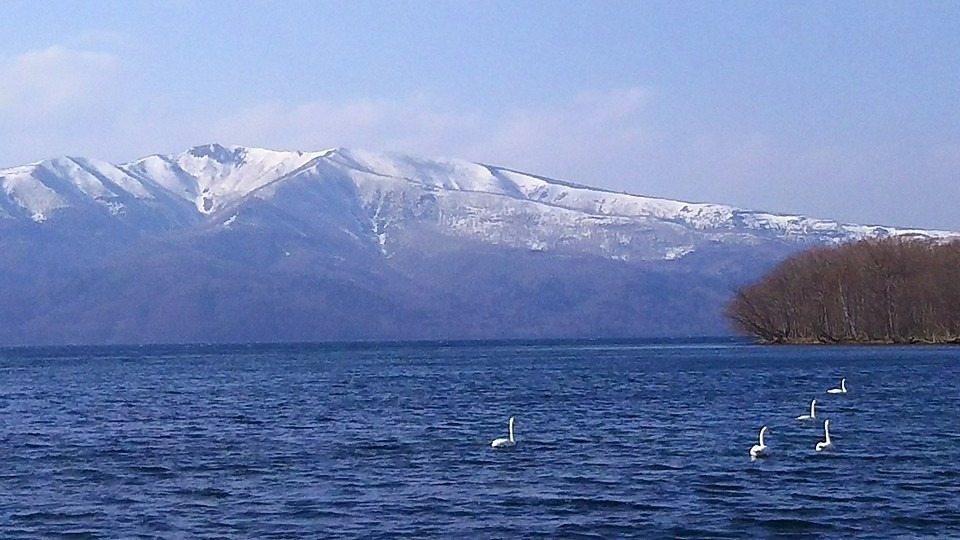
(237, 244)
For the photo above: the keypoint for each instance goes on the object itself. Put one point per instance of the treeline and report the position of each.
(875, 291)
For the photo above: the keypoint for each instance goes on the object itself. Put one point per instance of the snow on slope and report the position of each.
(41, 188)
(29, 193)
(399, 194)
(459, 199)
(585, 204)
(447, 174)
(213, 176)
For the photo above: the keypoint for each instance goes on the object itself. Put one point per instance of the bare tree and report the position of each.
(892, 291)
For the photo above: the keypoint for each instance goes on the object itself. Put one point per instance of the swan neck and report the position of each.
(813, 407)
(761, 436)
(511, 430)
(826, 431)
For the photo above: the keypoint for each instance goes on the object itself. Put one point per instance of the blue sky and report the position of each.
(844, 110)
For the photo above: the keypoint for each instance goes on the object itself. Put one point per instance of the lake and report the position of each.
(614, 439)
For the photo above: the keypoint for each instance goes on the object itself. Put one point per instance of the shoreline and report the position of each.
(854, 342)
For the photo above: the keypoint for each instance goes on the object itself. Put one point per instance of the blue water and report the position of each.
(637, 440)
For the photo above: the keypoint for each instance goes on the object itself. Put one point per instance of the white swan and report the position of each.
(825, 444)
(759, 450)
(813, 412)
(841, 390)
(504, 443)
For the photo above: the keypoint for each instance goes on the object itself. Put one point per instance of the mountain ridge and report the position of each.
(230, 243)
(218, 175)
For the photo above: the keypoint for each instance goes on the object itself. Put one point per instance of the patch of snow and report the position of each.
(116, 175)
(115, 208)
(71, 171)
(29, 193)
(224, 174)
(677, 252)
(165, 174)
(537, 245)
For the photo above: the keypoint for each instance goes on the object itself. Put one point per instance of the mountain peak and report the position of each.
(218, 153)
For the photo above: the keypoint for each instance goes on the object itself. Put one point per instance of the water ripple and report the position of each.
(376, 441)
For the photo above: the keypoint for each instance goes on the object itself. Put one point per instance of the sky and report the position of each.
(840, 110)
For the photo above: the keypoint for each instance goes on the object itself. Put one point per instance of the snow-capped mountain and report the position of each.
(392, 195)
(244, 244)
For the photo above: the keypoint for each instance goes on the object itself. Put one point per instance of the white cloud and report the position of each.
(570, 138)
(44, 84)
(553, 138)
(407, 126)
(62, 100)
